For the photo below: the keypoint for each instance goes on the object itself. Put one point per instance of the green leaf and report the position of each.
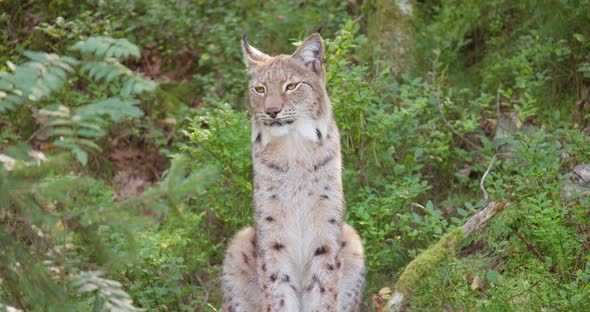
(494, 277)
(89, 144)
(577, 298)
(114, 107)
(80, 154)
(87, 288)
(430, 206)
(68, 143)
(106, 47)
(91, 133)
(60, 132)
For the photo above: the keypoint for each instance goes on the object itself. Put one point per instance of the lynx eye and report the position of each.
(259, 90)
(291, 86)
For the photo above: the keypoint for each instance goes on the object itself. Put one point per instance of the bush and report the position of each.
(55, 222)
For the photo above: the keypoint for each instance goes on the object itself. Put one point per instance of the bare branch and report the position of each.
(439, 107)
(483, 178)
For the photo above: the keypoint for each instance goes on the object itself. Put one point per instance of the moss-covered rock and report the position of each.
(423, 265)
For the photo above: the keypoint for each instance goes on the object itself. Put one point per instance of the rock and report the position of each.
(577, 182)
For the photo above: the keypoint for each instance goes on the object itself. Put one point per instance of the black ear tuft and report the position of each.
(251, 55)
(319, 29)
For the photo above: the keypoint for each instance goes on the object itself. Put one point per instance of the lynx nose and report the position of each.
(272, 111)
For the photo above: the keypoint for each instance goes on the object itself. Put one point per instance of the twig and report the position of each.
(481, 218)
(207, 290)
(416, 204)
(483, 178)
(525, 291)
(439, 107)
(498, 102)
(358, 19)
(581, 229)
(530, 247)
(354, 21)
(586, 240)
(35, 134)
(580, 177)
(376, 158)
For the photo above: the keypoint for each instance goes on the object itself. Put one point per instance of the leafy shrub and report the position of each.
(47, 74)
(388, 160)
(54, 224)
(534, 257)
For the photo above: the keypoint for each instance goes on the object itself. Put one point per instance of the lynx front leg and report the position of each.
(322, 277)
(239, 282)
(276, 272)
(337, 287)
(321, 292)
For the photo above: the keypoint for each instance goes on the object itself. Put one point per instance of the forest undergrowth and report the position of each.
(125, 155)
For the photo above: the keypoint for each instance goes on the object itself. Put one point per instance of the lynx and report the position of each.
(300, 255)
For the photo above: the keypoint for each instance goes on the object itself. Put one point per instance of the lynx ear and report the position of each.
(311, 52)
(252, 56)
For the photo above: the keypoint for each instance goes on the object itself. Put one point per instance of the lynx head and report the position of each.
(287, 92)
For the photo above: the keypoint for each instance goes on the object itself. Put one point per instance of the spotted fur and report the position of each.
(300, 255)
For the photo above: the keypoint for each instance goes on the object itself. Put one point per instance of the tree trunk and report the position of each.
(391, 28)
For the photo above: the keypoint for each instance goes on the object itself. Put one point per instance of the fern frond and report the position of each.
(109, 295)
(101, 47)
(114, 107)
(110, 69)
(75, 131)
(34, 80)
(137, 85)
(72, 145)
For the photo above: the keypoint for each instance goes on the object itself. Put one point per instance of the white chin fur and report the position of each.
(305, 129)
(280, 131)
